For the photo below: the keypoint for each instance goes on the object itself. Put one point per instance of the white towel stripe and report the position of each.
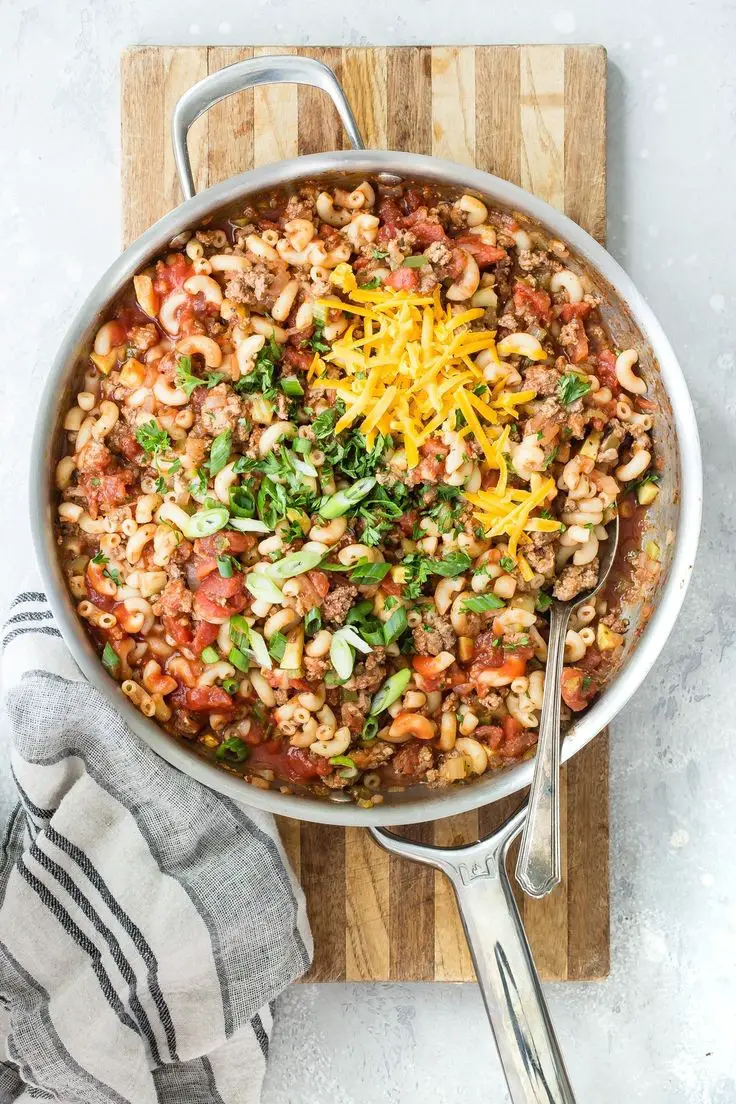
(146, 923)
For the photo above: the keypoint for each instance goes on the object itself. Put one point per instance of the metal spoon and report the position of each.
(539, 867)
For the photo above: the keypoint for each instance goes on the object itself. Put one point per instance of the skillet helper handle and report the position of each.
(286, 69)
(539, 866)
(526, 1041)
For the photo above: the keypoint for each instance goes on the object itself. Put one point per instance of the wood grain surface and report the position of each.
(534, 115)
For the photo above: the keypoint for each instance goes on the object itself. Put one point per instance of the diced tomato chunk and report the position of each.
(516, 738)
(578, 352)
(577, 688)
(179, 629)
(606, 371)
(389, 212)
(209, 699)
(217, 586)
(403, 279)
(298, 359)
(294, 764)
(106, 491)
(226, 542)
(171, 277)
(490, 734)
(204, 635)
(425, 229)
(567, 311)
(485, 255)
(537, 301)
(205, 567)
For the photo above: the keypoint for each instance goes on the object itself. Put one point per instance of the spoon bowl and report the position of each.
(539, 866)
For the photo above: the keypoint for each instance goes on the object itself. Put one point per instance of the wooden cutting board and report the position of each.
(534, 115)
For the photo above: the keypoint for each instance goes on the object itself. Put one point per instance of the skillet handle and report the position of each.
(287, 69)
(526, 1041)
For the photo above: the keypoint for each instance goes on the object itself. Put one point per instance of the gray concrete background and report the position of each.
(662, 1029)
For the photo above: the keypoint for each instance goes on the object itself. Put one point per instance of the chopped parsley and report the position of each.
(507, 563)
(651, 477)
(371, 285)
(198, 485)
(110, 659)
(185, 378)
(233, 750)
(572, 387)
(379, 254)
(550, 458)
(161, 486)
(543, 602)
(100, 559)
(317, 341)
(114, 574)
(447, 509)
(418, 568)
(261, 379)
(152, 438)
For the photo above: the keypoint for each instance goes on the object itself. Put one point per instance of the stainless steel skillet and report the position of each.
(675, 518)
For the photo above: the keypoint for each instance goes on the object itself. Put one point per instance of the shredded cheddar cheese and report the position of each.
(410, 371)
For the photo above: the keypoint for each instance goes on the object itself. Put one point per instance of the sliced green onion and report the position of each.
(225, 566)
(260, 650)
(238, 659)
(416, 261)
(230, 685)
(291, 386)
(353, 639)
(392, 689)
(394, 627)
(304, 468)
(233, 749)
(342, 656)
(312, 621)
(366, 572)
(249, 525)
(242, 502)
(239, 630)
(302, 445)
(543, 602)
(338, 504)
(482, 603)
(220, 451)
(205, 522)
(209, 655)
(110, 658)
(277, 646)
(296, 563)
(342, 761)
(331, 679)
(263, 588)
(370, 729)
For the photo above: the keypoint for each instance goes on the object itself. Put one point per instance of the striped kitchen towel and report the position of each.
(146, 923)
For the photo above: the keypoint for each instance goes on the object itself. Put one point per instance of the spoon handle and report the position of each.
(539, 867)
